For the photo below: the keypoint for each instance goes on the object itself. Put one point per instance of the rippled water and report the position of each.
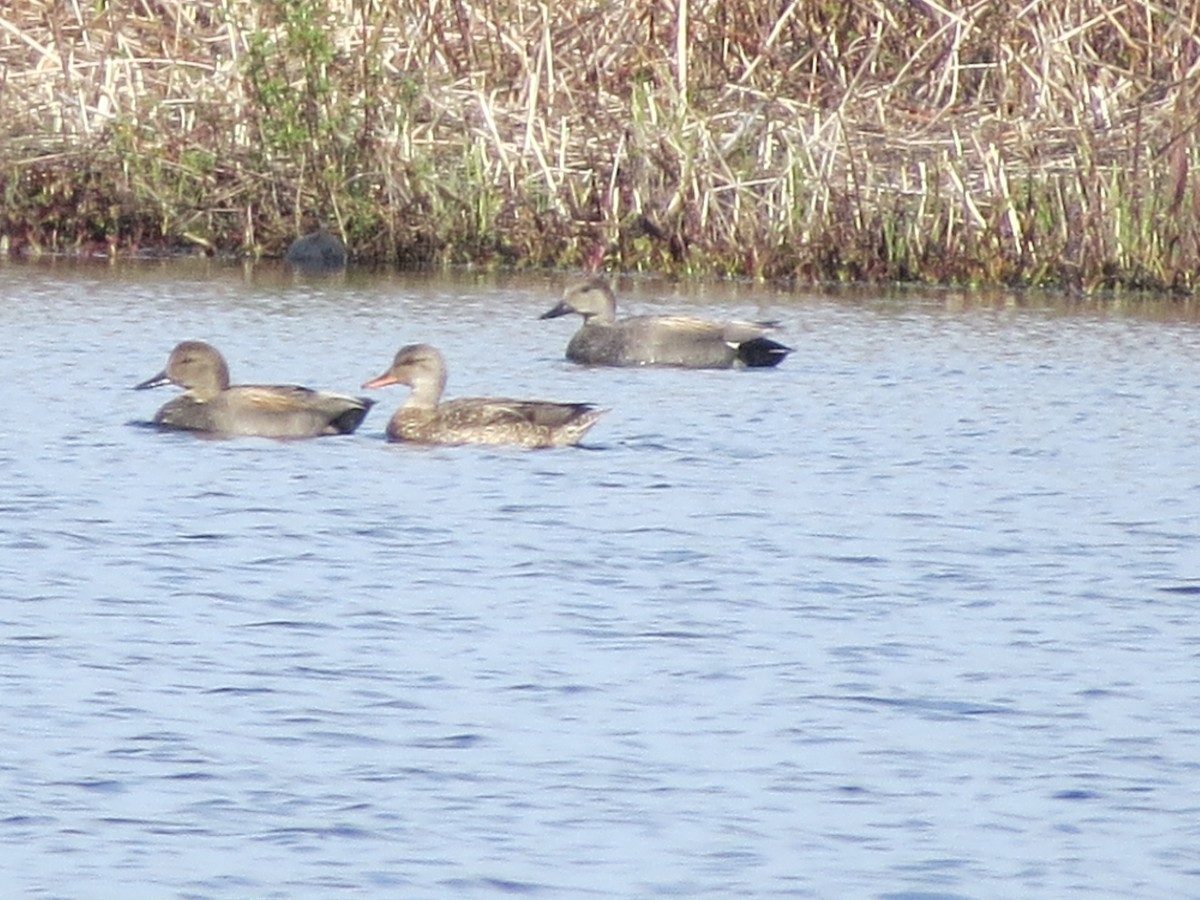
(913, 616)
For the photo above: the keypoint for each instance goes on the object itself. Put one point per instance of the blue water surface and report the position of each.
(913, 616)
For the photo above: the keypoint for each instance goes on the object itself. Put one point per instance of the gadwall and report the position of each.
(209, 404)
(425, 419)
(603, 340)
(320, 251)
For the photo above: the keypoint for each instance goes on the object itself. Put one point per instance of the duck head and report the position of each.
(593, 299)
(195, 366)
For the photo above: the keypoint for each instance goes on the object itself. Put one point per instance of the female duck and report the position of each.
(425, 419)
(603, 340)
(209, 404)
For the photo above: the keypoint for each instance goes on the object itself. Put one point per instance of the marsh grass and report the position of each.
(962, 142)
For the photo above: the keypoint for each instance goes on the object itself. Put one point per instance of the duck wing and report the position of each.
(489, 411)
(287, 411)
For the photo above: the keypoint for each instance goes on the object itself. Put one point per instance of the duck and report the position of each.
(211, 405)
(427, 419)
(318, 251)
(681, 341)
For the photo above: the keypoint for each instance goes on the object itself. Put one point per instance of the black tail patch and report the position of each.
(346, 422)
(762, 352)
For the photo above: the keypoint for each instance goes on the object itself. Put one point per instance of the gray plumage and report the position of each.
(605, 340)
(209, 404)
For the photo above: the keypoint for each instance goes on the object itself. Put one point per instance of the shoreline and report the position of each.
(870, 145)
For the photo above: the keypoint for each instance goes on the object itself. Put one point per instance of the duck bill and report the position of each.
(382, 381)
(563, 308)
(157, 381)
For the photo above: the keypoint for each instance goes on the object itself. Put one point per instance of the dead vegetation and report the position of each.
(959, 142)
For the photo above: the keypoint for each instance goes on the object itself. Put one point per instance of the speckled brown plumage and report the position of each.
(426, 419)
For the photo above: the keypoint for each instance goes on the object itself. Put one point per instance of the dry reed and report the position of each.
(964, 142)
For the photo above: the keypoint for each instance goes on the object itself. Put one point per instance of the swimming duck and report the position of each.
(210, 404)
(426, 419)
(603, 340)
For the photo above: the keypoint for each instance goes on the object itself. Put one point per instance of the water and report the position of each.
(913, 616)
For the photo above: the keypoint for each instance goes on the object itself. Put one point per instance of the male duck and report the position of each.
(603, 340)
(210, 404)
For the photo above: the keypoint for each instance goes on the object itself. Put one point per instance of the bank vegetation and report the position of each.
(1038, 143)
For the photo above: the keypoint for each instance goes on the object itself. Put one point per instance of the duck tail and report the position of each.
(351, 418)
(762, 352)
